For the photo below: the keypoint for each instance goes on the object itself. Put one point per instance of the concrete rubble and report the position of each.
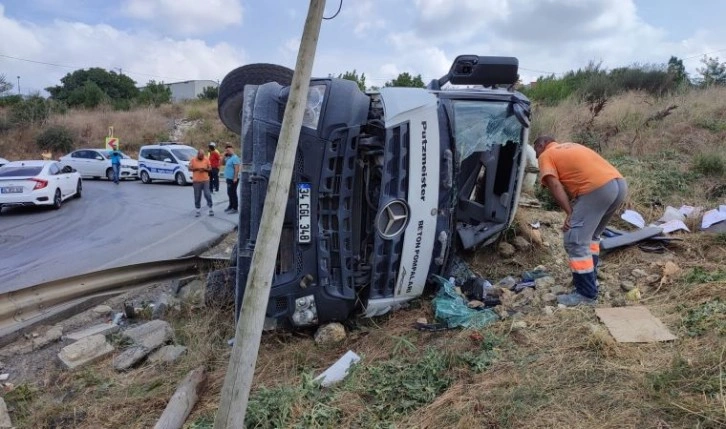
(168, 354)
(51, 335)
(99, 329)
(85, 351)
(150, 335)
(506, 250)
(129, 358)
(102, 310)
(331, 333)
(5, 422)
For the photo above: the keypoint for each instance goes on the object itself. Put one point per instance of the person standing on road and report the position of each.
(115, 163)
(200, 168)
(231, 175)
(589, 189)
(215, 159)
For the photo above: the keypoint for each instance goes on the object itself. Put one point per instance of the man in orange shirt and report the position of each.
(200, 168)
(589, 189)
(215, 159)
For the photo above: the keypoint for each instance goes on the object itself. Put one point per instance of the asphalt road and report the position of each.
(110, 226)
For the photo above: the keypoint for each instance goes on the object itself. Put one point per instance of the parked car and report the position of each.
(166, 161)
(38, 183)
(386, 186)
(96, 163)
(3, 161)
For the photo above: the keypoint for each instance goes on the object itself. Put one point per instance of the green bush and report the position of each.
(209, 93)
(56, 138)
(30, 111)
(10, 100)
(709, 164)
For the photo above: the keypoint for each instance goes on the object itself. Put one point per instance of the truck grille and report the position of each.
(387, 252)
(335, 215)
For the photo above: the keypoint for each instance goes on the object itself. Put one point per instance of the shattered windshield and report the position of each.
(481, 124)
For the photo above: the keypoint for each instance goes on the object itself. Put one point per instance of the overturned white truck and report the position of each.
(386, 185)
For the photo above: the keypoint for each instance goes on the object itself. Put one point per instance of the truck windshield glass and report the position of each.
(480, 124)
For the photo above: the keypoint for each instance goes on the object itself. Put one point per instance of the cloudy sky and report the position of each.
(173, 40)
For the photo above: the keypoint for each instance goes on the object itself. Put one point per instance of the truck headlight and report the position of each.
(305, 311)
(313, 107)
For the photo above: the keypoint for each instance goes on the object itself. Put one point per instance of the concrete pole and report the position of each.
(238, 381)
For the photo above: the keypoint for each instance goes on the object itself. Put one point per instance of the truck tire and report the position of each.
(229, 102)
(219, 291)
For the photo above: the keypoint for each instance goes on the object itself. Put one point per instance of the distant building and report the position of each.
(190, 89)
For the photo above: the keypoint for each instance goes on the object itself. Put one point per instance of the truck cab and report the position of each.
(386, 185)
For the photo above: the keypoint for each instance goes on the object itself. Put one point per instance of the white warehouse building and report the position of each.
(189, 89)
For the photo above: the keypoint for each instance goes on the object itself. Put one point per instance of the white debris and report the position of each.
(339, 370)
(633, 218)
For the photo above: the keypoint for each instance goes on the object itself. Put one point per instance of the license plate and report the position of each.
(303, 213)
(12, 190)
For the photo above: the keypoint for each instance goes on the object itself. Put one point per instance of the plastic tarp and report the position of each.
(451, 308)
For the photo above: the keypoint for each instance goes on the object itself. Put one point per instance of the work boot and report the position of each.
(575, 299)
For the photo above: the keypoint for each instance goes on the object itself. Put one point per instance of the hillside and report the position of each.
(136, 127)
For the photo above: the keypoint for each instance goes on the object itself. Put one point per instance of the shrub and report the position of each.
(709, 164)
(33, 110)
(209, 93)
(56, 138)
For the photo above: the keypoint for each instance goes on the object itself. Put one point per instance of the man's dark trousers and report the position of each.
(232, 194)
(214, 180)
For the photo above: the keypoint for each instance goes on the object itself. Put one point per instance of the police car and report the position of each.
(168, 161)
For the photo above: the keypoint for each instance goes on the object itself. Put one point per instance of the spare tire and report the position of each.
(229, 102)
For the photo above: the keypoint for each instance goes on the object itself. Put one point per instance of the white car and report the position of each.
(38, 183)
(96, 163)
(3, 161)
(166, 161)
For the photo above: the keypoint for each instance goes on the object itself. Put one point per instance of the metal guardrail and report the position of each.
(47, 302)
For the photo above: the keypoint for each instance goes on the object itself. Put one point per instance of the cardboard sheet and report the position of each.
(633, 325)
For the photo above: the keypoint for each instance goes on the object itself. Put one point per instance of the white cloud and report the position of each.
(186, 16)
(143, 56)
(546, 35)
(367, 20)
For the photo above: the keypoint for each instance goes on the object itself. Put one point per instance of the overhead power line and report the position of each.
(126, 71)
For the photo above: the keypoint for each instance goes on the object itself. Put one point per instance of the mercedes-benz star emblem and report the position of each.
(392, 219)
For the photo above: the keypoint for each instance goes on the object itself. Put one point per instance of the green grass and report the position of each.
(712, 124)
(707, 317)
(700, 275)
(709, 164)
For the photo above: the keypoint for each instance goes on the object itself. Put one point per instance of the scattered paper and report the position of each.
(674, 225)
(339, 370)
(633, 218)
(633, 325)
(690, 212)
(671, 213)
(535, 225)
(713, 217)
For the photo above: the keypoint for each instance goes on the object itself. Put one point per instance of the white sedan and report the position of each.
(3, 161)
(38, 183)
(96, 163)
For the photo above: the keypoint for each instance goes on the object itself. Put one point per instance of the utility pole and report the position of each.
(18, 85)
(238, 381)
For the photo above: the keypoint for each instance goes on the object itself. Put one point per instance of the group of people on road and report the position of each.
(205, 177)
